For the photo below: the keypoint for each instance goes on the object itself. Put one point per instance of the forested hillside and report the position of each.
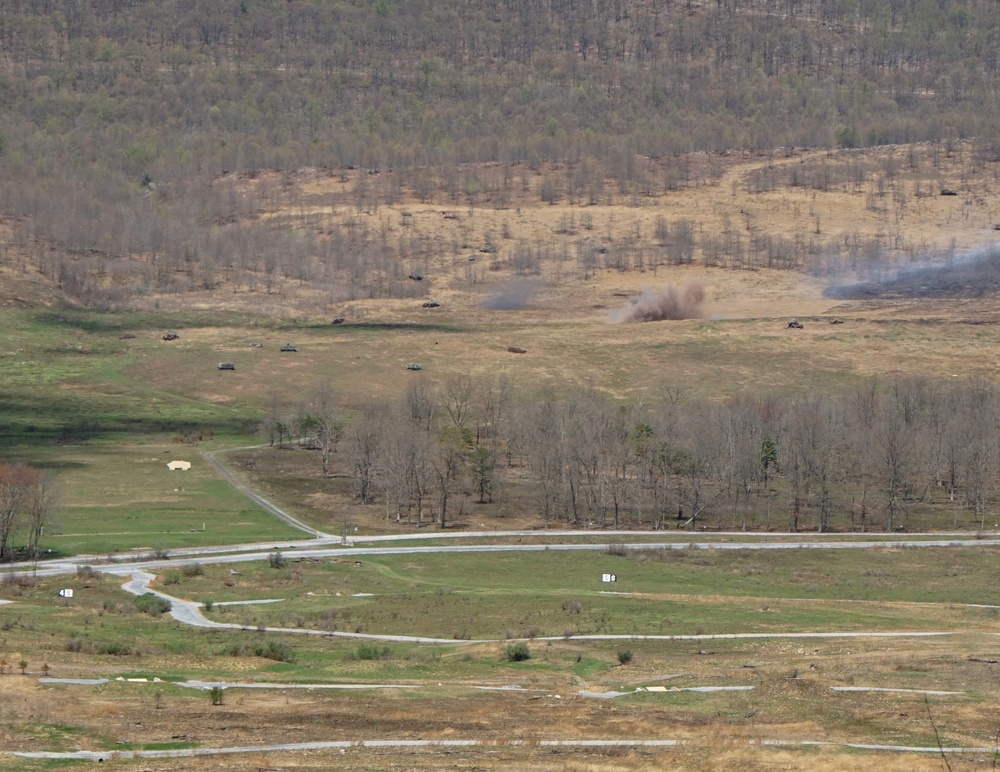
(118, 115)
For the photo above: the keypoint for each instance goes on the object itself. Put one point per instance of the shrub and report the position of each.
(74, 644)
(115, 649)
(17, 582)
(86, 572)
(151, 604)
(518, 652)
(192, 569)
(572, 606)
(624, 656)
(277, 560)
(237, 650)
(618, 550)
(276, 650)
(215, 694)
(370, 651)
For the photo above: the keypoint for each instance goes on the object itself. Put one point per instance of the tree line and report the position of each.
(880, 456)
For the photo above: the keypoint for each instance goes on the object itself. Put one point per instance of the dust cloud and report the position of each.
(658, 304)
(511, 295)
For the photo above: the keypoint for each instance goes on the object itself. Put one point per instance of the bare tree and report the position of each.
(420, 401)
(22, 502)
(39, 508)
(816, 443)
(364, 438)
(325, 423)
(448, 461)
(459, 393)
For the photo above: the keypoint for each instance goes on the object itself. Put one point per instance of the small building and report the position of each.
(184, 466)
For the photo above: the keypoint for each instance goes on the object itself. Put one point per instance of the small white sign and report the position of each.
(609, 578)
(67, 593)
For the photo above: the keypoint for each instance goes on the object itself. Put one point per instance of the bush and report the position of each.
(17, 582)
(115, 649)
(151, 604)
(518, 652)
(624, 657)
(276, 650)
(277, 560)
(572, 606)
(192, 569)
(74, 644)
(215, 694)
(370, 651)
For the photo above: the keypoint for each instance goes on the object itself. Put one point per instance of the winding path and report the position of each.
(189, 612)
(137, 572)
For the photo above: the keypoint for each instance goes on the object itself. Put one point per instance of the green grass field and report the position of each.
(116, 495)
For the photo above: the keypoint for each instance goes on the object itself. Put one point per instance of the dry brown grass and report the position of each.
(740, 344)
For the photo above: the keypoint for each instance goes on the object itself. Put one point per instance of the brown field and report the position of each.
(563, 322)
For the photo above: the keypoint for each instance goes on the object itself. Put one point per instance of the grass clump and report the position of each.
(371, 651)
(273, 650)
(115, 649)
(151, 604)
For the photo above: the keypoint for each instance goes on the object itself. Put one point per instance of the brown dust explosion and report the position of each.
(658, 304)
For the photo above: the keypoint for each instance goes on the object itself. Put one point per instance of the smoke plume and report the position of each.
(657, 304)
(973, 274)
(511, 295)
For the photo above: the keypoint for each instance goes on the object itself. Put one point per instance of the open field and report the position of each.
(116, 496)
(104, 413)
(100, 633)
